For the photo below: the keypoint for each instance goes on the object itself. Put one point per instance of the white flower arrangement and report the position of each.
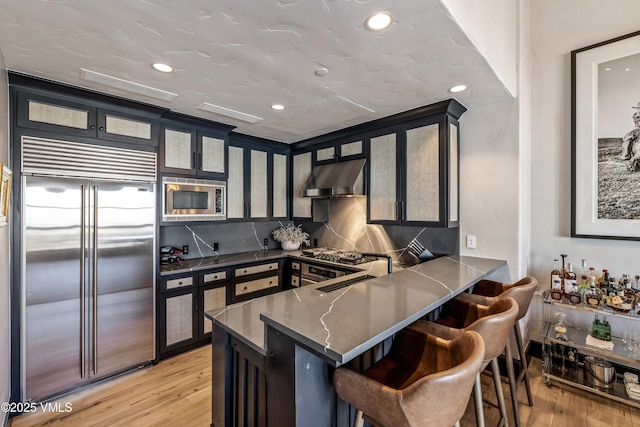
(291, 233)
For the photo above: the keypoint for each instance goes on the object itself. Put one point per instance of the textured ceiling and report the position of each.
(245, 55)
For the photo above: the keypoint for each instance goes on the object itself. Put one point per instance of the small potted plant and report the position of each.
(290, 236)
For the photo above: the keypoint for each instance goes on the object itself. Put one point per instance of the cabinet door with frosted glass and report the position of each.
(258, 184)
(178, 150)
(384, 205)
(211, 155)
(280, 192)
(236, 201)
(431, 185)
(422, 175)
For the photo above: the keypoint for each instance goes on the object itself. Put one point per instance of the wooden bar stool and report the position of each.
(493, 323)
(424, 380)
(488, 291)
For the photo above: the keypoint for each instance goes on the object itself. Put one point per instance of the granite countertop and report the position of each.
(221, 261)
(342, 324)
(376, 268)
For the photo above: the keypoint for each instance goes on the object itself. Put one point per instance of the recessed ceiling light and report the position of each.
(607, 69)
(457, 88)
(277, 107)
(162, 67)
(378, 21)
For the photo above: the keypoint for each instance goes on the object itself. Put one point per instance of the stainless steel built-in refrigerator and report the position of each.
(88, 280)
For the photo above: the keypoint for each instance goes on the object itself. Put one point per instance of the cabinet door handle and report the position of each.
(195, 302)
(193, 160)
(92, 127)
(101, 128)
(200, 161)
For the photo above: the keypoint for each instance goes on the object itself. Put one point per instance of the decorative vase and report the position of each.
(288, 245)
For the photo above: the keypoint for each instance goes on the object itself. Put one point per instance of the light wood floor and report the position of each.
(177, 392)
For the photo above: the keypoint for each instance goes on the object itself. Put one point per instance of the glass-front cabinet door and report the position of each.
(258, 188)
(280, 186)
(236, 207)
(422, 174)
(383, 193)
(212, 156)
(178, 155)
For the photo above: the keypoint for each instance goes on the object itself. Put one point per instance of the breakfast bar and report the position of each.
(279, 351)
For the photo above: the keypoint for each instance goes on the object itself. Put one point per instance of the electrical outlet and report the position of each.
(215, 246)
(471, 241)
(185, 249)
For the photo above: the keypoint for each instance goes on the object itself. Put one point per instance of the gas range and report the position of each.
(339, 256)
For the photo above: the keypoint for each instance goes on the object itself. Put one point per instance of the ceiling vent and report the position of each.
(227, 112)
(126, 85)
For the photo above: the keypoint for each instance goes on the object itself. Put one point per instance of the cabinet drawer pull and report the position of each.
(245, 288)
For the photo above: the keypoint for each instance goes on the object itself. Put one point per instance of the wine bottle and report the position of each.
(571, 285)
(171, 250)
(556, 281)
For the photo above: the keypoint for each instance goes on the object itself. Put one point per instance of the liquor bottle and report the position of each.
(603, 282)
(563, 260)
(583, 272)
(556, 281)
(591, 277)
(571, 285)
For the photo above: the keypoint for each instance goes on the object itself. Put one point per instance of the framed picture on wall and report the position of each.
(5, 194)
(605, 139)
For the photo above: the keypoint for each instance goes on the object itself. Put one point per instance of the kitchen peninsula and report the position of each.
(278, 351)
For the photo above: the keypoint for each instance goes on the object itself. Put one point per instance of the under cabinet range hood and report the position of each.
(341, 179)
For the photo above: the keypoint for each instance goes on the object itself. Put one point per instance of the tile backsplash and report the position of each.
(346, 229)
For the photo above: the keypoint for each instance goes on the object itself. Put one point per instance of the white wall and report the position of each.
(492, 26)
(557, 29)
(489, 182)
(5, 343)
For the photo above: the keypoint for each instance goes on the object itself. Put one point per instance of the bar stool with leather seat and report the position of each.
(486, 292)
(493, 323)
(424, 380)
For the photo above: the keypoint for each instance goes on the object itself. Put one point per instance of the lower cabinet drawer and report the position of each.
(256, 285)
(254, 269)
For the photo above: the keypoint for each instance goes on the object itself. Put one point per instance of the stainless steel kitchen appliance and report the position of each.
(187, 199)
(87, 264)
(337, 255)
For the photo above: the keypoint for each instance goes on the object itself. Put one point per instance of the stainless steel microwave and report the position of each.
(186, 199)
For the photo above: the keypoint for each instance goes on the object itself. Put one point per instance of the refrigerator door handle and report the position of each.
(83, 256)
(94, 338)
